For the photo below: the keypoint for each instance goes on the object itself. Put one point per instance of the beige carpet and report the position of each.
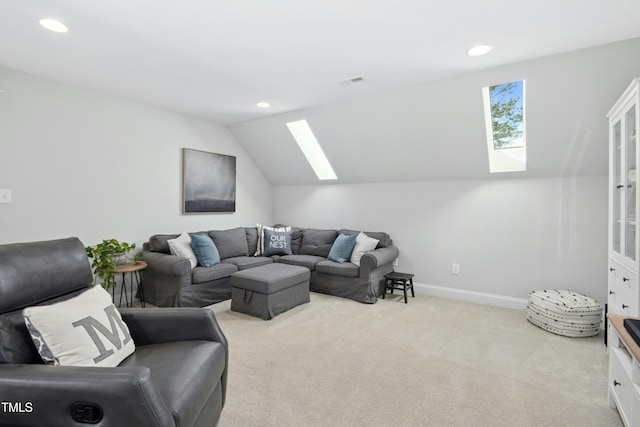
(432, 362)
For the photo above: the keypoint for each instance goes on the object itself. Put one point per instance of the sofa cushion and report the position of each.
(345, 269)
(308, 261)
(317, 242)
(218, 271)
(205, 250)
(276, 242)
(86, 330)
(383, 239)
(341, 249)
(231, 242)
(296, 240)
(244, 262)
(252, 239)
(159, 242)
(185, 372)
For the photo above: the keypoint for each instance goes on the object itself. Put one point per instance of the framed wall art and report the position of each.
(209, 182)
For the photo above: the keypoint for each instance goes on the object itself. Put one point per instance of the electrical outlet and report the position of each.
(455, 268)
(5, 196)
(395, 262)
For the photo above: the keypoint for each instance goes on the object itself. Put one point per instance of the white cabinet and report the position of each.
(624, 373)
(624, 354)
(623, 202)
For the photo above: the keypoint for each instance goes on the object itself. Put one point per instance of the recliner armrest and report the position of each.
(158, 325)
(126, 396)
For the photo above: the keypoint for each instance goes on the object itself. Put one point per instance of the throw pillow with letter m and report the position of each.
(86, 330)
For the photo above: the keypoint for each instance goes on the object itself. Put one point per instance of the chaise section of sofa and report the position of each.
(170, 281)
(362, 283)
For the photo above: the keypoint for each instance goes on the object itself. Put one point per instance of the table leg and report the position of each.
(131, 276)
(404, 288)
(413, 294)
(124, 290)
(140, 289)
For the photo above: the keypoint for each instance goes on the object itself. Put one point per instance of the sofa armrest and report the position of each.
(381, 256)
(169, 265)
(46, 394)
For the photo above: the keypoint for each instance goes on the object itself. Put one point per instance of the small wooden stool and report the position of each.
(396, 280)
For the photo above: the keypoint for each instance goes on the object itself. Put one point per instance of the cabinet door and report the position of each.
(617, 191)
(624, 155)
(629, 129)
(620, 385)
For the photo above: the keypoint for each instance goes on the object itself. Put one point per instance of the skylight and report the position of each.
(53, 25)
(504, 112)
(311, 149)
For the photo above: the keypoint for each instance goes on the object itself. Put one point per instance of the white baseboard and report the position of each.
(471, 296)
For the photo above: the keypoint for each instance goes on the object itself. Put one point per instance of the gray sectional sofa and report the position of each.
(169, 281)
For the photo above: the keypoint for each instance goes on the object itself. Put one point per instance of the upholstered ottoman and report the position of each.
(269, 290)
(564, 312)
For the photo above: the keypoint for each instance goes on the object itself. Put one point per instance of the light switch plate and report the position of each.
(5, 196)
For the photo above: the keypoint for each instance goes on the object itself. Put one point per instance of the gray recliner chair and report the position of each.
(177, 375)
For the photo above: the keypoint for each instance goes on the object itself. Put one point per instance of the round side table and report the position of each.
(133, 269)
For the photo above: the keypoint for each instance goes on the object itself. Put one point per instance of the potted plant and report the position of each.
(106, 256)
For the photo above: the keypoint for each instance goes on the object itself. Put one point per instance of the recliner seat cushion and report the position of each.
(185, 372)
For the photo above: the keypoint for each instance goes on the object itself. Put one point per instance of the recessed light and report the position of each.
(53, 25)
(263, 104)
(478, 50)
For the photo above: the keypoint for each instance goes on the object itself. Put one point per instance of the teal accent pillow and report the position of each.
(342, 248)
(205, 250)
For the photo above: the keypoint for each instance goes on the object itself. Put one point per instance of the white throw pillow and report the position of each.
(363, 245)
(181, 246)
(86, 330)
(261, 228)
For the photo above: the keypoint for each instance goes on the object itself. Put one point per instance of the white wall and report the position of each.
(509, 236)
(85, 164)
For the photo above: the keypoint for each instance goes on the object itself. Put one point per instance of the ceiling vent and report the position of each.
(351, 81)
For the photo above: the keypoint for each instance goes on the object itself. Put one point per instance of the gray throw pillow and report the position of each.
(277, 242)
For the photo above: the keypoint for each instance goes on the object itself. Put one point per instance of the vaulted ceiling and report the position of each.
(215, 60)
